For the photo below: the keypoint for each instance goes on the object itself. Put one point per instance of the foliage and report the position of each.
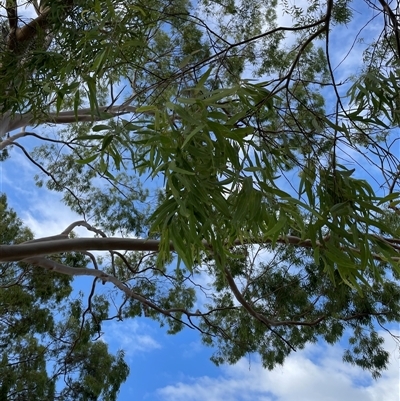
(303, 305)
(45, 333)
(169, 140)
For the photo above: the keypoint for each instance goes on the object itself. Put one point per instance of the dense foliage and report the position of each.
(281, 189)
(46, 332)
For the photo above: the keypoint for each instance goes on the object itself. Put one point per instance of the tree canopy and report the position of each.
(45, 332)
(209, 138)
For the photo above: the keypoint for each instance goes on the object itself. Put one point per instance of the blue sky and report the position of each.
(177, 368)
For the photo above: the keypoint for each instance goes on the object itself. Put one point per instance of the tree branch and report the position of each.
(12, 15)
(26, 250)
(74, 271)
(52, 265)
(10, 141)
(261, 318)
(55, 244)
(242, 301)
(28, 31)
(10, 123)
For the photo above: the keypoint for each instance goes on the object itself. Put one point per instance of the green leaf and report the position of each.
(100, 60)
(92, 92)
(100, 127)
(191, 135)
(172, 166)
(276, 228)
(90, 137)
(106, 142)
(146, 109)
(390, 198)
(87, 160)
(77, 101)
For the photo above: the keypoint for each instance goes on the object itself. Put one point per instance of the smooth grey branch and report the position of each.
(48, 246)
(9, 141)
(10, 122)
(29, 249)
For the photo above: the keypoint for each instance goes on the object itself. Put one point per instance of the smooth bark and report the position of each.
(9, 124)
(58, 243)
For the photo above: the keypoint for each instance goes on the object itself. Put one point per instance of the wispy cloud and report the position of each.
(47, 215)
(132, 336)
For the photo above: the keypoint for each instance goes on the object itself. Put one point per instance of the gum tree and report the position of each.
(157, 91)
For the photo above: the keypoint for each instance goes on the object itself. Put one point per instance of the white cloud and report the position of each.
(47, 215)
(193, 348)
(43, 211)
(315, 374)
(133, 337)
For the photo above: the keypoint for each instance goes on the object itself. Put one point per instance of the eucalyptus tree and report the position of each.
(157, 90)
(48, 338)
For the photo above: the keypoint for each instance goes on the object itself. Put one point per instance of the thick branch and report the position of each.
(10, 123)
(27, 250)
(51, 245)
(9, 141)
(28, 31)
